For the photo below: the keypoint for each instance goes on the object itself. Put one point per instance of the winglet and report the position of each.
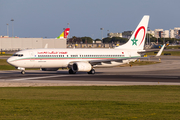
(160, 51)
(46, 46)
(64, 34)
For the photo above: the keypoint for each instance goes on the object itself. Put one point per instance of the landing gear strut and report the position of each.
(22, 70)
(92, 71)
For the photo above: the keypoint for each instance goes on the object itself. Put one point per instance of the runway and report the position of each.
(164, 73)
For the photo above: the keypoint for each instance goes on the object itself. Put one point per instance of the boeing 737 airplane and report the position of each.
(83, 60)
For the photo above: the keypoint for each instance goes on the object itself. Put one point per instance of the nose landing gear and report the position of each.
(23, 72)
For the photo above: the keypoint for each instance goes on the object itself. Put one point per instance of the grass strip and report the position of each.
(6, 55)
(90, 102)
(5, 66)
(173, 47)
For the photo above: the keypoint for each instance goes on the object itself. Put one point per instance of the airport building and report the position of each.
(125, 34)
(177, 32)
(166, 34)
(158, 33)
(114, 35)
(172, 35)
(11, 44)
(150, 32)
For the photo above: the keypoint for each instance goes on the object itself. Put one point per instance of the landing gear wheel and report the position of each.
(71, 71)
(91, 72)
(23, 72)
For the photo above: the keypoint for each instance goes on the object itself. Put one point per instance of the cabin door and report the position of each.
(32, 59)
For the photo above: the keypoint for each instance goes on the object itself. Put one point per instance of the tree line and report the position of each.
(78, 40)
(119, 40)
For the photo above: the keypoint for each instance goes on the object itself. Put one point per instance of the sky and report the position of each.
(47, 18)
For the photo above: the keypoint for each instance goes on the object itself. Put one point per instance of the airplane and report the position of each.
(64, 34)
(83, 60)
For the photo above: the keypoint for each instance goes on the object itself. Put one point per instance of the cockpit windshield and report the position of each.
(19, 55)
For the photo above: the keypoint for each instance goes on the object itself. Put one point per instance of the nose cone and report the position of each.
(9, 61)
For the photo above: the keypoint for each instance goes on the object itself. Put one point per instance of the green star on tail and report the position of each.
(134, 41)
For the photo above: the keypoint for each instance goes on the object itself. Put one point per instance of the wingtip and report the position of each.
(147, 16)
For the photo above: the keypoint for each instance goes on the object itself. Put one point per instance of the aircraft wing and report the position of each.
(94, 62)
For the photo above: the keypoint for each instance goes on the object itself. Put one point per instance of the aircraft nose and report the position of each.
(9, 60)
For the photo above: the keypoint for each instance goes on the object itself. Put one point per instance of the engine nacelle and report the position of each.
(49, 69)
(81, 66)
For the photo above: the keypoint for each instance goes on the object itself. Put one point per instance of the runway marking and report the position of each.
(33, 78)
(156, 76)
(37, 78)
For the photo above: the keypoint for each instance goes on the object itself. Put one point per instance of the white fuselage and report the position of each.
(61, 58)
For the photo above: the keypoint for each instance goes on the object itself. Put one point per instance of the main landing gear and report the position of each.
(92, 71)
(71, 71)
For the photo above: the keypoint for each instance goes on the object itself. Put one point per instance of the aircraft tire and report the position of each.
(71, 71)
(92, 71)
(23, 72)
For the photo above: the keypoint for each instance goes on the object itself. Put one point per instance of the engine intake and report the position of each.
(81, 66)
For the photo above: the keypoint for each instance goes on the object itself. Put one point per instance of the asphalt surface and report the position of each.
(164, 73)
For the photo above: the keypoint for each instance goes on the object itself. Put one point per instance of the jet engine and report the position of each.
(81, 66)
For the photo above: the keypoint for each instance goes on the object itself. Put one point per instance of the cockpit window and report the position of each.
(15, 54)
(19, 55)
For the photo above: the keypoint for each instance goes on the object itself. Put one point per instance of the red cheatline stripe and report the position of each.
(69, 58)
(63, 58)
